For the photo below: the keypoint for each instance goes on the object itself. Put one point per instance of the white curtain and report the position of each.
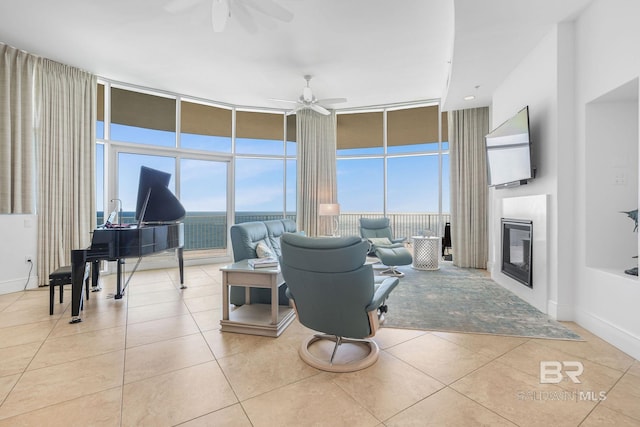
(469, 191)
(65, 135)
(17, 149)
(316, 177)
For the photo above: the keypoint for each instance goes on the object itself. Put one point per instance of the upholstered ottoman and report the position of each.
(393, 256)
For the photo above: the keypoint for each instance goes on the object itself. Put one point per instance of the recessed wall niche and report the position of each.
(612, 179)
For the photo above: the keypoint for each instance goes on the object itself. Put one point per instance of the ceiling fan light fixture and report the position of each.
(307, 100)
(307, 95)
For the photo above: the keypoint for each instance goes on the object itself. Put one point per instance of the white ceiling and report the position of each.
(372, 52)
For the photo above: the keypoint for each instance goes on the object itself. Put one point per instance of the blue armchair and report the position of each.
(391, 252)
(334, 292)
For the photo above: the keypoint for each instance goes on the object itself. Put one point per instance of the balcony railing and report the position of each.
(402, 224)
(208, 230)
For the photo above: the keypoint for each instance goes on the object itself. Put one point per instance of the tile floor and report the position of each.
(157, 358)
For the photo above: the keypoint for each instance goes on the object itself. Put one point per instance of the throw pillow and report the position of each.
(381, 241)
(263, 251)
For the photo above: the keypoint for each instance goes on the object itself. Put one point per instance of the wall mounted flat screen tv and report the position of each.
(509, 152)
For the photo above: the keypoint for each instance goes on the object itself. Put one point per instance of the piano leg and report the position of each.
(119, 292)
(78, 268)
(95, 276)
(181, 266)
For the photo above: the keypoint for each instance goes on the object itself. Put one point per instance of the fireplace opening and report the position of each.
(517, 236)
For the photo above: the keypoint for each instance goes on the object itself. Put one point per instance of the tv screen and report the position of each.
(509, 152)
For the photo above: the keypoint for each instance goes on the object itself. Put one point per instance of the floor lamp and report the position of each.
(330, 209)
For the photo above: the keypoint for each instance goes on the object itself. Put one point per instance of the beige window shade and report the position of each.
(100, 102)
(414, 126)
(201, 119)
(143, 110)
(359, 130)
(259, 125)
(291, 128)
(445, 127)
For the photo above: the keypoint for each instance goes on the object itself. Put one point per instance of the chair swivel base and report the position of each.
(392, 271)
(366, 353)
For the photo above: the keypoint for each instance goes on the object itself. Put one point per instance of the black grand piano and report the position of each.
(158, 229)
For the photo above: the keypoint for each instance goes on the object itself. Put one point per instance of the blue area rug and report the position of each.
(456, 299)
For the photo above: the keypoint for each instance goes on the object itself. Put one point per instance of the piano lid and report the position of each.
(163, 205)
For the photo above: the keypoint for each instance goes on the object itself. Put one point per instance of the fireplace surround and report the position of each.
(516, 250)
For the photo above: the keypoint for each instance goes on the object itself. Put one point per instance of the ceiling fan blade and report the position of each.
(319, 109)
(295, 110)
(269, 8)
(175, 6)
(219, 14)
(332, 100)
(240, 13)
(283, 100)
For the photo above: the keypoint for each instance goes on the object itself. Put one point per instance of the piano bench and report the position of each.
(61, 277)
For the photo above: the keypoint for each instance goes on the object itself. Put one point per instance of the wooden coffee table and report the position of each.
(256, 319)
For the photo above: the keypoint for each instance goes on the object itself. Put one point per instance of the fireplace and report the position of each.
(517, 236)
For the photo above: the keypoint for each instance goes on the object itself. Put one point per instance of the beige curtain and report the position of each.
(17, 151)
(316, 178)
(469, 191)
(65, 136)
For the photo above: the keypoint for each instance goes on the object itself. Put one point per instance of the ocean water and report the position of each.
(207, 230)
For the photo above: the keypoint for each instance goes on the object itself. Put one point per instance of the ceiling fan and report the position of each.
(308, 100)
(240, 10)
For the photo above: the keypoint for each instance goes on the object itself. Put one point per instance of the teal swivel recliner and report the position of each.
(391, 252)
(334, 293)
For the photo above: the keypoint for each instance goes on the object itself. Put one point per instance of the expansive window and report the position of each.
(394, 163)
(194, 141)
(259, 133)
(261, 167)
(100, 112)
(391, 162)
(142, 118)
(100, 184)
(203, 193)
(360, 134)
(360, 185)
(129, 173)
(205, 127)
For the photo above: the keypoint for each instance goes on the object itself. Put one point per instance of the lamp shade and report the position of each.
(329, 209)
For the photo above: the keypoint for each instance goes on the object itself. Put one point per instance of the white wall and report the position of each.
(18, 241)
(533, 83)
(611, 148)
(607, 38)
(574, 65)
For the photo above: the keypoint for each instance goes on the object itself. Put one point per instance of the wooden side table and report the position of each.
(256, 319)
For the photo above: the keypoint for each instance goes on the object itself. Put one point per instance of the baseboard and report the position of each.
(559, 312)
(620, 338)
(17, 285)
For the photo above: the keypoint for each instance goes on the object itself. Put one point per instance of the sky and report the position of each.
(412, 181)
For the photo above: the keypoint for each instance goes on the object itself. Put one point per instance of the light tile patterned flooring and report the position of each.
(157, 358)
